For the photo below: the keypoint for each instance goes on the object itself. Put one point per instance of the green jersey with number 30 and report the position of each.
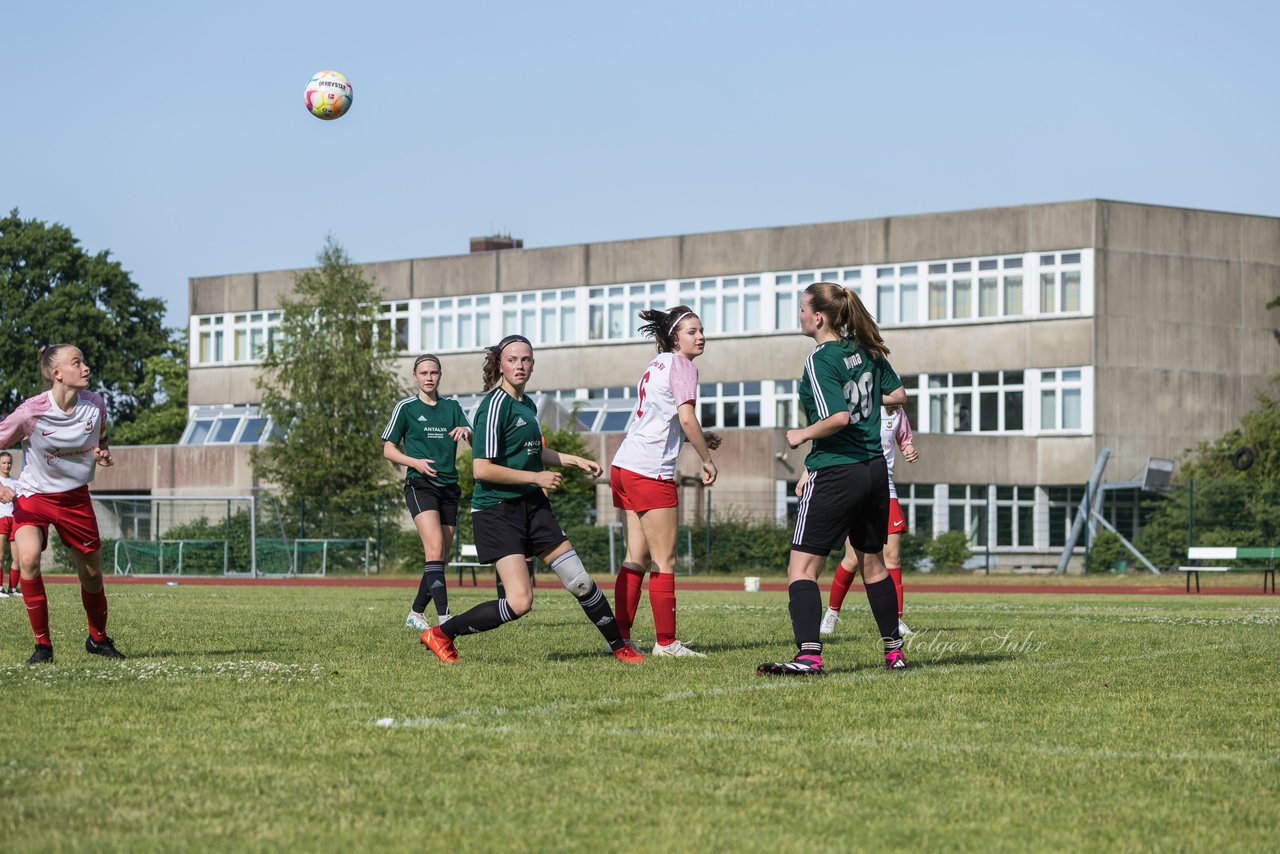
(840, 376)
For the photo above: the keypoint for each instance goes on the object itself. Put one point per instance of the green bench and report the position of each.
(1221, 553)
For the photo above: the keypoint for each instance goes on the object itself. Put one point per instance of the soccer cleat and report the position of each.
(441, 644)
(4, 594)
(416, 621)
(829, 621)
(800, 666)
(676, 649)
(15, 592)
(105, 647)
(895, 660)
(42, 655)
(628, 653)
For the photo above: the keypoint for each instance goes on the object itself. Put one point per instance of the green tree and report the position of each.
(163, 423)
(1215, 500)
(327, 382)
(52, 291)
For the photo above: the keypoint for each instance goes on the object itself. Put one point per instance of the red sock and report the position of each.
(626, 596)
(13, 578)
(895, 572)
(95, 609)
(840, 587)
(37, 609)
(662, 598)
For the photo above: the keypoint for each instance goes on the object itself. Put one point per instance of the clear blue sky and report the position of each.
(174, 134)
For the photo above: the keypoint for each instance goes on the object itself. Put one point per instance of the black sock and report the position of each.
(482, 618)
(433, 575)
(598, 611)
(424, 591)
(883, 598)
(806, 615)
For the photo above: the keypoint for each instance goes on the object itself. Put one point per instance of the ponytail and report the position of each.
(847, 316)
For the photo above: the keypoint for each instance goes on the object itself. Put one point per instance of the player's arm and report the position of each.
(552, 457)
(102, 453)
(392, 452)
(490, 472)
(693, 432)
(905, 438)
(828, 426)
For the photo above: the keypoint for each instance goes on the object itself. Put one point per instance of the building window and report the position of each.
(967, 511)
(1062, 399)
(916, 500)
(1015, 516)
(972, 402)
(1063, 503)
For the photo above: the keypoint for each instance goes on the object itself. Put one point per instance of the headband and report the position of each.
(677, 323)
(508, 341)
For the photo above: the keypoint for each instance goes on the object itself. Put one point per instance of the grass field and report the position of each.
(258, 719)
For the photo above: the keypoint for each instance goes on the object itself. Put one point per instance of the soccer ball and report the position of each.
(328, 95)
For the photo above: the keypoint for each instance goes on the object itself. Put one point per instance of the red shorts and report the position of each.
(897, 522)
(71, 512)
(638, 493)
(6, 525)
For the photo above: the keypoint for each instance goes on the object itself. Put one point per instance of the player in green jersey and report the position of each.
(510, 512)
(423, 436)
(846, 493)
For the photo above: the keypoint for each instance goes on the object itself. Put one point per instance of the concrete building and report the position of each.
(1029, 338)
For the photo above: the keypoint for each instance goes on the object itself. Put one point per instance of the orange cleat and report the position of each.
(629, 654)
(441, 644)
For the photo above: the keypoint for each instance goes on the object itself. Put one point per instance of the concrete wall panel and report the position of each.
(532, 269)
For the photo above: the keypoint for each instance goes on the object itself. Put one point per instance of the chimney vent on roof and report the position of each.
(495, 241)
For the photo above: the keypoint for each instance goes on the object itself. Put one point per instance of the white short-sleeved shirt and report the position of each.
(653, 440)
(11, 483)
(57, 446)
(895, 431)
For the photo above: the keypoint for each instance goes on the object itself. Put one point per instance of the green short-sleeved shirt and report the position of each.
(423, 429)
(842, 376)
(508, 434)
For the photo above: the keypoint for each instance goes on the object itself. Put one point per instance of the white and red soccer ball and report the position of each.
(328, 95)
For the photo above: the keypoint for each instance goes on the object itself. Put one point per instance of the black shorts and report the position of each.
(521, 526)
(422, 495)
(844, 501)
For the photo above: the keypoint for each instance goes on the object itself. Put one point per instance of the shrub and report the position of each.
(1105, 550)
(949, 550)
(912, 549)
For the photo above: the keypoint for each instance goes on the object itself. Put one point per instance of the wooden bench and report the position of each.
(1232, 553)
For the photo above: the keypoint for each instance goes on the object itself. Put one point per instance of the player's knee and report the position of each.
(520, 604)
(572, 574)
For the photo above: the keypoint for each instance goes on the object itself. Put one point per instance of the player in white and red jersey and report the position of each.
(8, 569)
(643, 472)
(895, 432)
(64, 436)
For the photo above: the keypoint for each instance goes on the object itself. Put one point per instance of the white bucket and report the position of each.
(751, 584)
